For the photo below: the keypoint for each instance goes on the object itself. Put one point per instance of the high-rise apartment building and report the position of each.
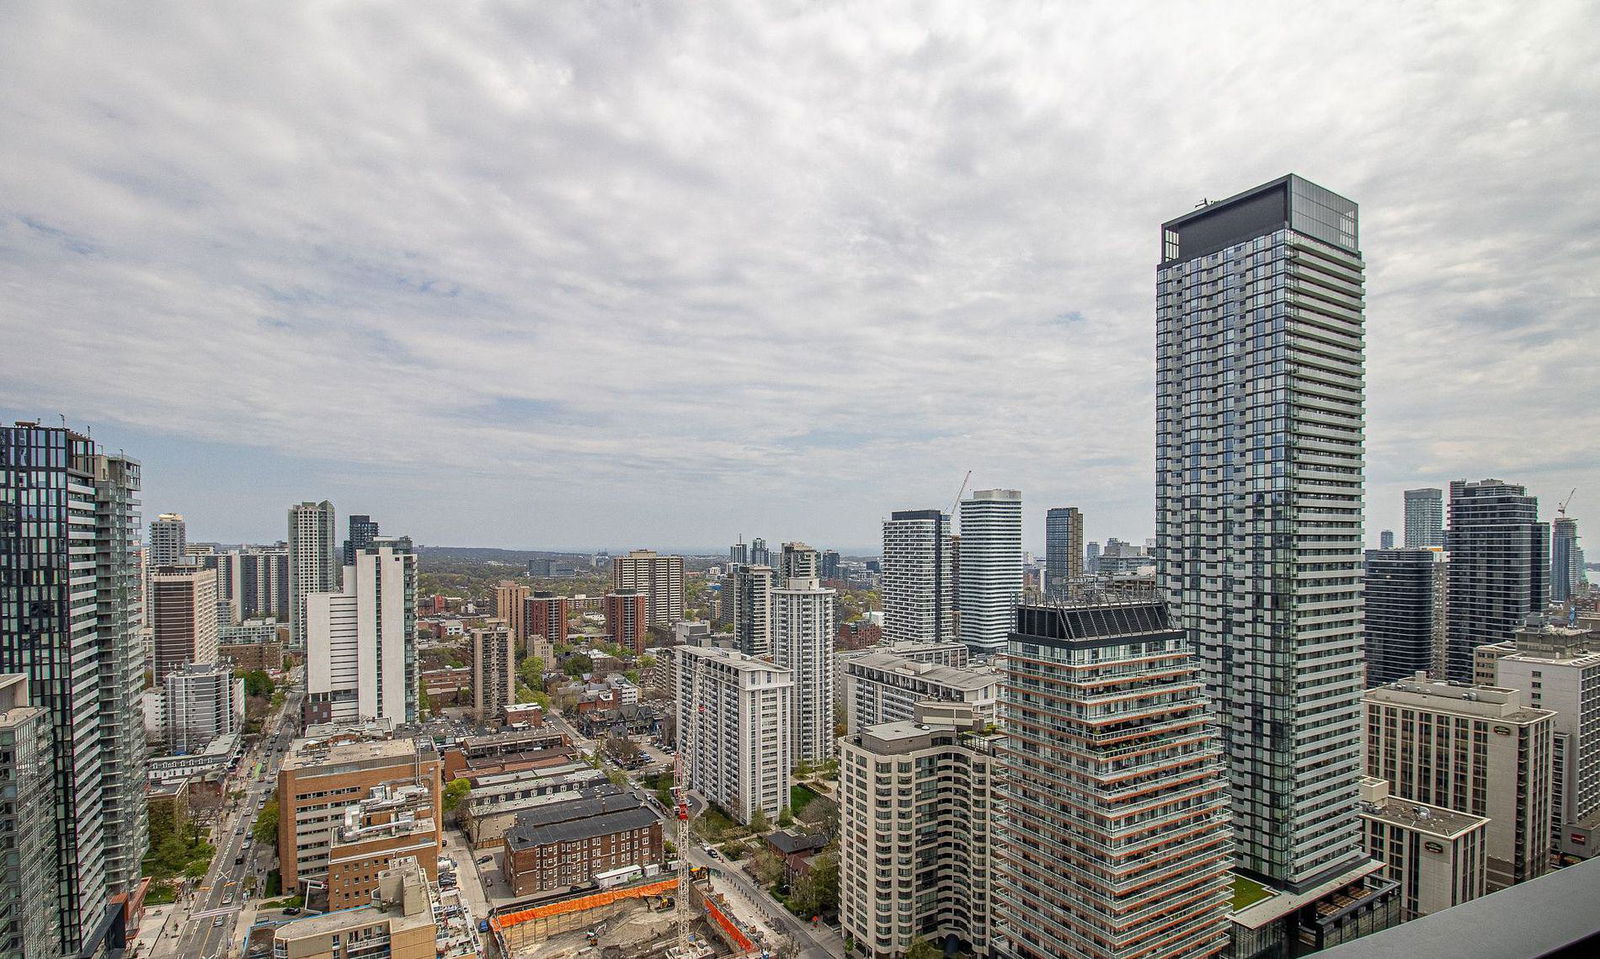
(1424, 518)
(320, 780)
(733, 729)
(183, 618)
(1471, 749)
(802, 642)
(361, 652)
(1386, 539)
(494, 670)
(1063, 548)
(510, 606)
(1405, 619)
(830, 564)
(989, 585)
(628, 619)
(798, 561)
(252, 583)
(1091, 558)
(28, 866)
(545, 619)
(200, 703)
(70, 621)
(1566, 559)
(1558, 668)
(1435, 854)
(362, 531)
(918, 814)
(752, 609)
(885, 687)
(1499, 566)
(169, 536)
(759, 554)
(919, 578)
(659, 577)
(313, 562)
(1117, 841)
(738, 553)
(1259, 425)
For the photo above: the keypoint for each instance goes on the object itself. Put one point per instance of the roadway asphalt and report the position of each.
(209, 929)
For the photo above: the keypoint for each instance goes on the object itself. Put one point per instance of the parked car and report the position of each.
(215, 923)
(291, 910)
(484, 859)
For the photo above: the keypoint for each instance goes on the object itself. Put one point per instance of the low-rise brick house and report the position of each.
(565, 844)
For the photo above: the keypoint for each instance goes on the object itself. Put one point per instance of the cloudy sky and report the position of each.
(640, 273)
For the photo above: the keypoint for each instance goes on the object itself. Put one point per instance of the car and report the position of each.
(217, 923)
(484, 859)
(228, 899)
(238, 860)
(291, 910)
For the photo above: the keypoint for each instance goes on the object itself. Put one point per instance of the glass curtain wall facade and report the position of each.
(1259, 446)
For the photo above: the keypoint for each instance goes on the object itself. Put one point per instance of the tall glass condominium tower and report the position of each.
(1259, 405)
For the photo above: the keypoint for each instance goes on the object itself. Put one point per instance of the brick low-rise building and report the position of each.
(568, 843)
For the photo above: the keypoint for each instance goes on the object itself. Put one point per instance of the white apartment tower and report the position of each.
(733, 729)
(1558, 668)
(990, 583)
(917, 823)
(1259, 450)
(313, 562)
(361, 654)
(168, 538)
(919, 578)
(802, 642)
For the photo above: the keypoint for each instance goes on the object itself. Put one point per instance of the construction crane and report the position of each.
(1562, 509)
(957, 504)
(680, 795)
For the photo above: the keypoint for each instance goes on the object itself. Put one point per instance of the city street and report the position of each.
(208, 926)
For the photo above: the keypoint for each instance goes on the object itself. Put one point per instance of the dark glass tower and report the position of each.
(362, 532)
(1405, 614)
(1499, 566)
(1063, 548)
(69, 620)
(1259, 450)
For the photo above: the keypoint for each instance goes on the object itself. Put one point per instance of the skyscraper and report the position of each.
(1259, 418)
(183, 618)
(739, 553)
(313, 563)
(918, 589)
(1566, 559)
(628, 619)
(798, 561)
(1091, 558)
(1499, 567)
(70, 621)
(252, 583)
(494, 670)
(1116, 803)
(759, 554)
(1405, 613)
(990, 582)
(1386, 539)
(802, 642)
(1424, 517)
(510, 606)
(27, 825)
(733, 729)
(361, 642)
(752, 609)
(830, 564)
(1063, 548)
(659, 577)
(362, 532)
(168, 538)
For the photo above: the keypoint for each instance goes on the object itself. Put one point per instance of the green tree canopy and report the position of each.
(454, 792)
(577, 664)
(265, 829)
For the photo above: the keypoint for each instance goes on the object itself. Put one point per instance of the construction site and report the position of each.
(634, 922)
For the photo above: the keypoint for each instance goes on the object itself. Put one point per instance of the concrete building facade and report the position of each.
(1437, 856)
(182, 617)
(882, 687)
(361, 658)
(494, 670)
(1063, 548)
(1470, 749)
(27, 825)
(918, 816)
(1424, 518)
(733, 729)
(659, 577)
(313, 562)
(802, 642)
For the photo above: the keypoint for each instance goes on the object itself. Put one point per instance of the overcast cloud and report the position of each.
(561, 274)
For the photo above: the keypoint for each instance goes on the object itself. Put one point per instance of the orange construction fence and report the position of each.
(581, 903)
(734, 935)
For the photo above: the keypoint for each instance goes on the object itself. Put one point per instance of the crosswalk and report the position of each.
(224, 911)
